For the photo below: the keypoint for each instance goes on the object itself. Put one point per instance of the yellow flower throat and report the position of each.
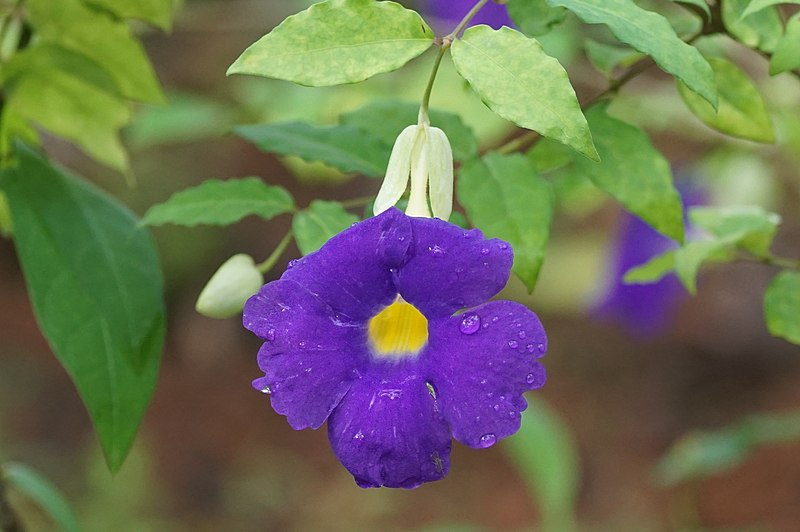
(398, 331)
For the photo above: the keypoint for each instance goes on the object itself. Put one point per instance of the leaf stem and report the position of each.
(773, 260)
(269, 263)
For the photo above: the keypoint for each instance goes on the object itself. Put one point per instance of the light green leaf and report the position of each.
(43, 492)
(606, 58)
(338, 41)
(748, 227)
(315, 225)
(385, 119)
(216, 202)
(107, 42)
(633, 172)
(66, 104)
(547, 456)
(787, 50)
(518, 81)
(345, 147)
(692, 255)
(782, 306)
(754, 6)
(741, 111)
(6, 223)
(155, 12)
(535, 17)
(96, 289)
(762, 29)
(650, 33)
(651, 271)
(506, 198)
(702, 4)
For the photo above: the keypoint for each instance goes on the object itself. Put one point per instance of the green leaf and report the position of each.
(315, 225)
(748, 227)
(106, 41)
(338, 41)
(651, 271)
(156, 12)
(535, 17)
(787, 50)
(547, 456)
(216, 202)
(385, 119)
(633, 172)
(754, 6)
(506, 198)
(6, 223)
(96, 289)
(692, 255)
(650, 33)
(345, 147)
(762, 29)
(43, 492)
(606, 58)
(741, 111)
(517, 80)
(702, 4)
(65, 103)
(782, 306)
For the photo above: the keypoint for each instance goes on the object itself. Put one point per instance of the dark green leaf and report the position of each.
(651, 271)
(632, 171)
(606, 58)
(216, 202)
(43, 492)
(650, 33)
(313, 226)
(741, 111)
(782, 306)
(345, 147)
(338, 41)
(517, 80)
(547, 455)
(385, 119)
(108, 42)
(156, 12)
(535, 17)
(787, 50)
(506, 198)
(96, 290)
(761, 29)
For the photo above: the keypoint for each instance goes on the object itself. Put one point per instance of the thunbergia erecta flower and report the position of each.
(386, 334)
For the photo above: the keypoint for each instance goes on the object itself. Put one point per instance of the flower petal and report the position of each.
(309, 357)
(481, 362)
(388, 430)
(351, 272)
(450, 268)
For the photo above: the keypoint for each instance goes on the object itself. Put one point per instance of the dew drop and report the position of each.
(292, 264)
(470, 323)
(487, 440)
(302, 344)
(353, 224)
(436, 251)
(485, 326)
(512, 344)
(530, 378)
(496, 408)
(358, 435)
(531, 348)
(540, 348)
(485, 251)
(270, 336)
(495, 319)
(502, 245)
(521, 335)
(266, 389)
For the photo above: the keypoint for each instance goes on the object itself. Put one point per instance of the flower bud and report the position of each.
(226, 292)
(397, 172)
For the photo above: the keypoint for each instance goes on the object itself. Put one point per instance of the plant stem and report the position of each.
(8, 519)
(268, 264)
(772, 260)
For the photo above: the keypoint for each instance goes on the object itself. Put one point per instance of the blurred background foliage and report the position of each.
(688, 423)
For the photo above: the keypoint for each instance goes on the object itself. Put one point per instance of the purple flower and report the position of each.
(365, 333)
(452, 11)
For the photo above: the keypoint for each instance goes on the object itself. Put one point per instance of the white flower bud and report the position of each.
(440, 173)
(397, 172)
(226, 292)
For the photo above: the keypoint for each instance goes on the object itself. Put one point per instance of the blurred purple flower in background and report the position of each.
(449, 12)
(643, 309)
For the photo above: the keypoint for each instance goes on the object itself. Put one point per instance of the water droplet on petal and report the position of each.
(513, 344)
(266, 389)
(353, 224)
(496, 408)
(495, 319)
(521, 335)
(270, 336)
(531, 348)
(540, 348)
(485, 326)
(485, 251)
(470, 323)
(436, 251)
(487, 440)
(358, 435)
(292, 263)
(302, 344)
(502, 245)
(530, 378)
